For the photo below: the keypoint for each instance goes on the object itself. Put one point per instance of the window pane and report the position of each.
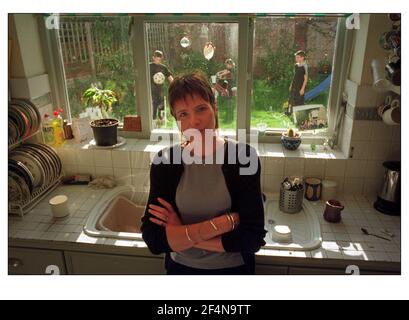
(96, 52)
(182, 46)
(275, 69)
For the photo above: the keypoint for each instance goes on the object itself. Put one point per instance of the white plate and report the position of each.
(57, 160)
(18, 189)
(32, 164)
(52, 160)
(120, 141)
(44, 159)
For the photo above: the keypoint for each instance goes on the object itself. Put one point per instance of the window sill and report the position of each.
(265, 150)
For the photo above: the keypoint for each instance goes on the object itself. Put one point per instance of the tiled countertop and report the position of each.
(343, 241)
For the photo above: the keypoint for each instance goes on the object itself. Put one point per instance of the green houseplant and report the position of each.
(105, 129)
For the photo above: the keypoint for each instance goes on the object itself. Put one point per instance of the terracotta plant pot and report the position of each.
(105, 131)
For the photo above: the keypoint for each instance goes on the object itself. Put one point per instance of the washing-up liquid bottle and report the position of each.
(57, 129)
(48, 131)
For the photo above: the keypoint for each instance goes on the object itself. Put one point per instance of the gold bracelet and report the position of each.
(233, 225)
(229, 219)
(213, 225)
(187, 235)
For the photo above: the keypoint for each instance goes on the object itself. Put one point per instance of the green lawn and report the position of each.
(266, 104)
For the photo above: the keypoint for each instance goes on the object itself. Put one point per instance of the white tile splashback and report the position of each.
(130, 164)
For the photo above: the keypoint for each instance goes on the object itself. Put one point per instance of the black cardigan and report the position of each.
(246, 199)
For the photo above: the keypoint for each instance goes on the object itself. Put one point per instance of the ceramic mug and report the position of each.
(333, 210)
(313, 189)
(390, 101)
(390, 40)
(392, 70)
(59, 206)
(391, 116)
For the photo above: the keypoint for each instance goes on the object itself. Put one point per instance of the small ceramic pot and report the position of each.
(59, 206)
(290, 143)
(332, 211)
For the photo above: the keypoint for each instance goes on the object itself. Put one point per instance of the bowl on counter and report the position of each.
(291, 143)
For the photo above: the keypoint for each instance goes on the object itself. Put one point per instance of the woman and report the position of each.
(208, 218)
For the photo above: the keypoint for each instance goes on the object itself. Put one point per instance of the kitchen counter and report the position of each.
(341, 242)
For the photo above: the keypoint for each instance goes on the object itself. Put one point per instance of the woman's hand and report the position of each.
(164, 215)
(301, 92)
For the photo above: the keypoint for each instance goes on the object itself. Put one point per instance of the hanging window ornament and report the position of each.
(208, 50)
(204, 32)
(185, 42)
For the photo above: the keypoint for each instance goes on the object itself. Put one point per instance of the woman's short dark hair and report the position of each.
(193, 83)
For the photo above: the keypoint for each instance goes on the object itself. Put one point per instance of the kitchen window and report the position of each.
(259, 48)
(276, 40)
(96, 51)
(174, 48)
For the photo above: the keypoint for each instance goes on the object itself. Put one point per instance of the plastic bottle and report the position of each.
(57, 129)
(48, 131)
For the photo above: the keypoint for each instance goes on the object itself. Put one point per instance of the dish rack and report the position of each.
(22, 208)
(40, 193)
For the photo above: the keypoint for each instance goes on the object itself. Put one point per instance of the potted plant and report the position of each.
(291, 140)
(105, 129)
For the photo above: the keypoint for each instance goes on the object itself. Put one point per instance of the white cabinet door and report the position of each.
(92, 263)
(24, 261)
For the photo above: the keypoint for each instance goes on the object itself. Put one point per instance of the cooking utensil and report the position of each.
(375, 235)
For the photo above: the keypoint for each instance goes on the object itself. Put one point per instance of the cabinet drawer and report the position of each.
(23, 261)
(90, 263)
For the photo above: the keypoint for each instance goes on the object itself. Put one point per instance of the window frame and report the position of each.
(141, 57)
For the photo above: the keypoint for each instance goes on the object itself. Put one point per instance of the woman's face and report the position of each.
(194, 113)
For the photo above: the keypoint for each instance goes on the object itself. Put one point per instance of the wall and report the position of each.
(365, 139)
(366, 143)
(29, 57)
(130, 164)
(28, 75)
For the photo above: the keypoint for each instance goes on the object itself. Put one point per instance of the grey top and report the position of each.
(201, 195)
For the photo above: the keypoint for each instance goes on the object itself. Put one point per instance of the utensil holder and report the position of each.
(291, 201)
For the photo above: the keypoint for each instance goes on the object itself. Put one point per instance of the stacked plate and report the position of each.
(31, 166)
(24, 119)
